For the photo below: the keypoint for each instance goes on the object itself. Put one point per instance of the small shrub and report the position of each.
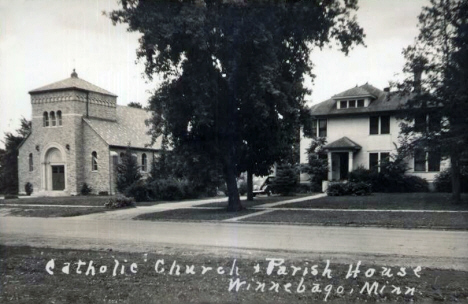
(120, 201)
(11, 196)
(350, 188)
(103, 193)
(443, 181)
(305, 188)
(415, 184)
(286, 179)
(242, 188)
(138, 190)
(28, 187)
(85, 189)
(170, 189)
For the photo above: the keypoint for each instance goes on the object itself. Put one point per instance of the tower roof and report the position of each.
(72, 83)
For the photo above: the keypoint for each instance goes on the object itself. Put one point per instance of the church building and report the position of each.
(79, 135)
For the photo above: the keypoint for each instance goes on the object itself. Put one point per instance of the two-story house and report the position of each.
(362, 129)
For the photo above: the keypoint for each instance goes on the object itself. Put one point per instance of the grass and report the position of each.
(408, 219)
(50, 211)
(194, 214)
(25, 280)
(68, 200)
(385, 201)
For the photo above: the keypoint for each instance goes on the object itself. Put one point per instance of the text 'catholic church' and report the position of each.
(78, 136)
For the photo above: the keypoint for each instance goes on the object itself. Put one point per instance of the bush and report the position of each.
(103, 193)
(11, 196)
(139, 191)
(28, 187)
(415, 184)
(443, 181)
(349, 188)
(85, 189)
(285, 181)
(170, 189)
(120, 201)
(305, 188)
(242, 187)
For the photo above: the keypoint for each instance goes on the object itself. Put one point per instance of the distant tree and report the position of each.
(286, 179)
(128, 171)
(435, 117)
(9, 158)
(233, 73)
(134, 104)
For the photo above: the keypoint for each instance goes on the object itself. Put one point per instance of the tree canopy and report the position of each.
(435, 115)
(233, 73)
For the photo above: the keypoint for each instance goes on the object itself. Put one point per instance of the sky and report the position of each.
(41, 41)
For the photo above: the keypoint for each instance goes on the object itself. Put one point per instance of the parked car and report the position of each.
(263, 185)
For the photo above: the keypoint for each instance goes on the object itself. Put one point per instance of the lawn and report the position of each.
(38, 211)
(25, 280)
(430, 220)
(194, 214)
(385, 201)
(68, 200)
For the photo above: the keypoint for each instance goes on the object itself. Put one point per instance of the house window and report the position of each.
(319, 127)
(352, 103)
(59, 118)
(122, 155)
(427, 122)
(373, 161)
(426, 161)
(360, 103)
(420, 123)
(144, 163)
(322, 128)
(343, 104)
(53, 122)
(94, 162)
(419, 160)
(45, 119)
(374, 125)
(31, 164)
(379, 125)
(376, 158)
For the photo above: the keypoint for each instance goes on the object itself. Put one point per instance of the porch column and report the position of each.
(350, 162)
(330, 169)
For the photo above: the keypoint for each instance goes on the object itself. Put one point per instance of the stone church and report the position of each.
(79, 135)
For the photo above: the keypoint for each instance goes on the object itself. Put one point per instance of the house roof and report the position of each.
(343, 143)
(381, 101)
(129, 129)
(72, 83)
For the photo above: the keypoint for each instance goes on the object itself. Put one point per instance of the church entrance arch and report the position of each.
(54, 170)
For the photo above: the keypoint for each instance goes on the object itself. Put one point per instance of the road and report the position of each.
(447, 249)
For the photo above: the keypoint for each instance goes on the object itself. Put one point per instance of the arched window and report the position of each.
(31, 164)
(144, 163)
(45, 119)
(53, 122)
(59, 118)
(94, 164)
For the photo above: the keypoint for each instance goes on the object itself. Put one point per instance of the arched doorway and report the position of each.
(54, 170)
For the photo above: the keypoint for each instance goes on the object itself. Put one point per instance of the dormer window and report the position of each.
(343, 104)
(352, 103)
(360, 103)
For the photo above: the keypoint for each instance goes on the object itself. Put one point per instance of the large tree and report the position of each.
(436, 114)
(9, 158)
(233, 73)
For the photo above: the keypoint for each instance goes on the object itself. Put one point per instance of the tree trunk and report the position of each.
(455, 170)
(234, 203)
(250, 196)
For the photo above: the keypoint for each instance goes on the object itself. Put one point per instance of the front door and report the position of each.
(344, 161)
(58, 177)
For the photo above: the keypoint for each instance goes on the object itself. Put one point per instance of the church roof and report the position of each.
(72, 83)
(129, 129)
(380, 102)
(343, 143)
